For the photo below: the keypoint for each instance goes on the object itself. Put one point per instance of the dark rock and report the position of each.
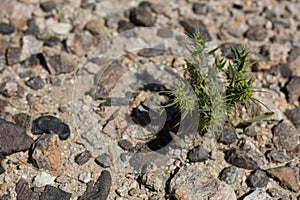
(23, 120)
(60, 63)
(150, 52)
(200, 8)
(285, 136)
(286, 176)
(256, 33)
(48, 6)
(13, 139)
(226, 49)
(11, 88)
(293, 60)
(164, 33)
(283, 69)
(247, 156)
(276, 156)
(100, 189)
(124, 26)
(53, 193)
(23, 190)
(229, 175)
(228, 135)
(258, 179)
(145, 4)
(27, 74)
(13, 55)
(6, 29)
(35, 83)
(198, 154)
(293, 89)
(104, 160)
(33, 61)
(275, 193)
(32, 29)
(294, 116)
(52, 41)
(50, 124)
(2, 170)
(193, 26)
(83, 157)
(125, 144)
(142, 16)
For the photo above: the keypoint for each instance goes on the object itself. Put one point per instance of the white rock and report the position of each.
(43, 179)
(30, 46)
(85, 177)
(258, 194)
(61, 28)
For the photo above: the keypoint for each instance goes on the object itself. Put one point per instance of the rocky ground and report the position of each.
(83, 81)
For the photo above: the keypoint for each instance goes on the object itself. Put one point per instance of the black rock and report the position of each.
(83, 157)
(142, 16)
(228, 135)
(150, 52)
(125, 144)
(294, 116)
(53, 193)
(198, 154)
(6, 29)
(100, 189)
(50, 124)
(48, 6)
(229, 175)
(226, 49)
(35, 83)
(200, 8)
(293, 89)
(13, 55)
(258, 179)
(23, 120)
(256, 33)
(193, 26)
(277, 156)
(23, 190)
(164, 33)
(104, 160)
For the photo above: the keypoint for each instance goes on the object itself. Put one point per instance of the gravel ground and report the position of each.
(81, 86)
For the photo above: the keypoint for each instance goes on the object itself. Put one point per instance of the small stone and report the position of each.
(226, 49)
(276, 156)
(23, 190)
(46, 152)
(6, 29)
(62, 179)
(154, 180)
(294, 116)
(51, 193)
(256, 33)
(275, 193)
(83, 157)
(293, 89)
(192, 26)
(85, 177)
(165, 33)
(13, 55)
(285, 136)
(198, 154)
(23, 120)
(32, 29)
(35, 83)
(11, 88)
(258, 179)
(49, 124)
(52, 41)
(80, 43)
(293, 60)
(126, 145)
(200, 8)
(124, 26)
(60, 63)
(20, 14)
(142, 16)
(228, 135)
(247, 156)
(30, 46)
(43, 179)
(236, 27)
(257, 195)
(48, 6)
(104, 160)
(286, 176)
(283, 69)
(95, 27)
(100, 189)
(150, 52)
(229, 175)
(61, 28)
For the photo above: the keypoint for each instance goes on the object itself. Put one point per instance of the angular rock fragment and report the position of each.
(294, 116)
(198, 154)
(35, 83)
(60, 63)
(258, 179)
(258, 194)
(48, 6)
(229, 175)
(293, 60)
(192, 26)
(256, 33)
(52, 193)
(104, 160)
(6, 29)
(83, 157)
(142, 16)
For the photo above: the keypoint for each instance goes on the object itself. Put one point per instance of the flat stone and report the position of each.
(46, 152)
(51, 193)
(35, 83)
(104, 160)
(293, 89)
(124, 26)
(229, 175)
(165, 33)
(286, 176)
(6, 29)
(60, 63)
(192, 26)
(23, 190)
(43, 179)
(198, 154)
(100, 189)
(258, 194)
(13, 55)
(256, 33)
(294, 116)
(258, 179)
(23, 120)
(126, 145)
(83, 157)
(194, 182)
(247, 156)
(142, 16)
(285, 136)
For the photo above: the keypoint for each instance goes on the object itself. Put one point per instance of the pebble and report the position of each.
(11, 88)
(194, 182)
(154, 180)
(95, 27)
(100, 189)
(48, 6)
(192, 26)
(125, 145)
(6, 29)
(2, 62)
(258, 179)
(293, 60)
(283, 69)
(13, 55)
(293, 89)
(61, 28)
(20, 14)
(85, 177)
(30, 46)
(276, 156)
(200, 8)
(228, 135)
(276, 193)
(23, 190)
(104, 160)
(32, 29)
(35, 83)
(124, 26)
(49, 124)
(286, 176)
(142, 16)
(83, 157)
(247, 156)
(43, 179)
(294, 116)
(51, 193)
(198, 154)
(229, 175)
(23, 120)
(285, 136)
(46, 152)
(165, 33)
(256, 33)
(258, 194)
(150, 52)
(236, 28)
(60, 63)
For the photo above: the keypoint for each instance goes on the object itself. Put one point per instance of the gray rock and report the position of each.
(294, 116)
(164, 33)
(60, 63)
(228, 135)
(85, 177)
(258, 194)
(95, 27)
(35, 83)
(11, 88)
(51, 193)
(23, 190)
(277, 156)
(229, 175)
(198, 154)
(200, 8)
(293, 60)
(2, 62)
(6, 29)
(30, 46)
(83, 157)
(256, 33)
(276, 193)
(150, 52)
(104, 160)
(43, 179)
(125, 144)
(191, 26)
(258, 179)
(142, 16)
(154, 180)
(13, 55)
(293, 89)
(48, 6)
